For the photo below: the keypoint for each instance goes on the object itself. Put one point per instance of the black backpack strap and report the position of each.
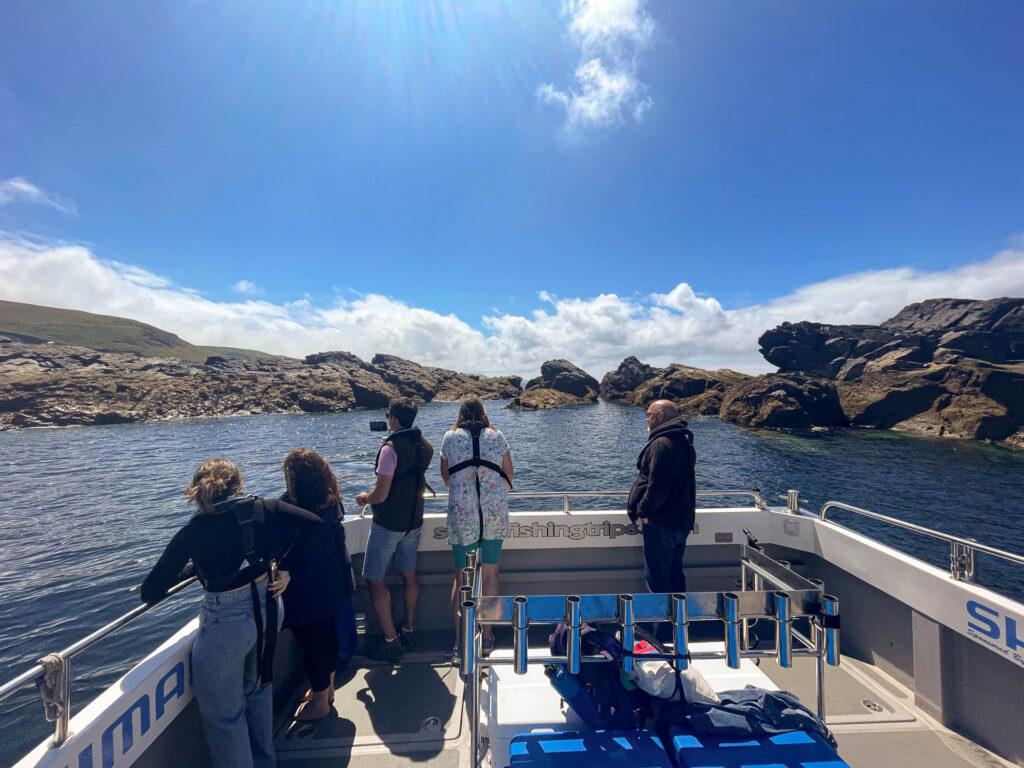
(476, 461)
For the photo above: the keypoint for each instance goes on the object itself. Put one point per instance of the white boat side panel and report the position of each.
(119, 725)
(610, 528)
(995, 621)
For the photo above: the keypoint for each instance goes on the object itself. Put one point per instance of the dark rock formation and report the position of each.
(560, 383)
(44, 385)
(620, 383)
(695, 391)
(944, 367)
(783, 401)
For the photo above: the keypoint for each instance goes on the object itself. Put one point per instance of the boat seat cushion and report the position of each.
(560, 749)
(791, 749)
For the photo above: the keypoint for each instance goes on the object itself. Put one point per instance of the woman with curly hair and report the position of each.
(235, 542)
(321, 576)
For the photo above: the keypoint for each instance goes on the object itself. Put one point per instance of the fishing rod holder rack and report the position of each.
(769, 590)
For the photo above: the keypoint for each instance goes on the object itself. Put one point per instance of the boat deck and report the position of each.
(413, 714)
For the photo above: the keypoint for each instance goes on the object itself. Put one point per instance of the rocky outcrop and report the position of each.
(783, 401)
(944, 367)
(44, 385)
(695, 391)
(560, 383)
(620, 383)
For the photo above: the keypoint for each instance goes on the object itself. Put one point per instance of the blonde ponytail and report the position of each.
(216, 479)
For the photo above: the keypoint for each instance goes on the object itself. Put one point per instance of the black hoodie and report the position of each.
(665, 492)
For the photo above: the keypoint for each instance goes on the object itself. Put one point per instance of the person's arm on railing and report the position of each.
(166, 572)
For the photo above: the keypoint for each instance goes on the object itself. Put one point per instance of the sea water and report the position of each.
(85, 512)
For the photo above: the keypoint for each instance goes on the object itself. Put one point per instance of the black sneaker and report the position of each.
(390, 652)
(408, 638)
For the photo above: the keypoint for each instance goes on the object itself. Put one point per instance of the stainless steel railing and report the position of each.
(754, 494)
(779, 595)
(60, 696)
(961, 550)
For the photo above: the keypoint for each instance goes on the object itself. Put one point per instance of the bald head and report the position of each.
(659, 412)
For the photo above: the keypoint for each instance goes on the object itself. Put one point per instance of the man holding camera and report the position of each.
(397, 501)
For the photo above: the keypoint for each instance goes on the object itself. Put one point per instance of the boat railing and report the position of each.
(754, 494)
(769, 590)
(961, 550)
(53, 674)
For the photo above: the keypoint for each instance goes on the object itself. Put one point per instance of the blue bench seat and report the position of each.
(619, 749)
(793, 749)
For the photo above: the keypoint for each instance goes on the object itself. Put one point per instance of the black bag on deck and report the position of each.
(596, 695)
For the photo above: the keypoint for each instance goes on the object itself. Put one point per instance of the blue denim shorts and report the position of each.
(382, 544)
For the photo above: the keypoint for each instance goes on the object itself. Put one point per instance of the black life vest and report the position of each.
(402, 510)
(255, 567)
(474, 428)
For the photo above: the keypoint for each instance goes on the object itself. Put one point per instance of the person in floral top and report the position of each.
(477, 505)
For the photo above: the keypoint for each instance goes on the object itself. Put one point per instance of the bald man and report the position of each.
(664, 497)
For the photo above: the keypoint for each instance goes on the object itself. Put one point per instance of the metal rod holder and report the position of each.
(468, 575)
(520, 635)
(467, 635)
(783, 630)
(680, 641)
(471, 558)
(627, 623)
(961, 561)
(731, 617)
(793, 500)
(830, 616)
(573, 620)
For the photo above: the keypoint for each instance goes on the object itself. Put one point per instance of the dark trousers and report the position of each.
(319, 642)
(663, 558)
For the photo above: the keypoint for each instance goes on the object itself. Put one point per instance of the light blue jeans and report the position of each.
(237, 713)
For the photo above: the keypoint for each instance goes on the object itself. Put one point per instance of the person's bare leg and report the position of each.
(489, 587)
(317, 707)
(412, 595)
(381, 598)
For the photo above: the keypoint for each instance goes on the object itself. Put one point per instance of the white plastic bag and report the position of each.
(658, 678)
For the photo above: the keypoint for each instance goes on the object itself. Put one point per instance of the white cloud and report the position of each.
(595, 332)
(606, 91)
(247, 288)
(20, 190)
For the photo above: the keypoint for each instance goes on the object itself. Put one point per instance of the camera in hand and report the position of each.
(378, 426)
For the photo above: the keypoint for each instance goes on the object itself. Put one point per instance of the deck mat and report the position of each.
(416, 706)
(448, 758)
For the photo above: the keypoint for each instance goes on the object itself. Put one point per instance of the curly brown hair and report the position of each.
(215, 480)
(311, 482)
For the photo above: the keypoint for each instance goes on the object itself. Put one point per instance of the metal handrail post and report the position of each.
(61, 725)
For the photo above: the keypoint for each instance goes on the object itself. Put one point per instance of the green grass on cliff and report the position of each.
(37, 324)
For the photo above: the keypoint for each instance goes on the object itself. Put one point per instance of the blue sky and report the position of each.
(463, 158)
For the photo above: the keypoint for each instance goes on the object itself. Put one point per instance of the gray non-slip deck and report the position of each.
(413, 708)
(412, 715)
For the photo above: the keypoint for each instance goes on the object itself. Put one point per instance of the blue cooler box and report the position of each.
(632, 749)
(793, 749)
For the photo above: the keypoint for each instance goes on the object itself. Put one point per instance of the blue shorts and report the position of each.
(382, 544)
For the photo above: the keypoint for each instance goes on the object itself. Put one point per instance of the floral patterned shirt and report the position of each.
(464, 508)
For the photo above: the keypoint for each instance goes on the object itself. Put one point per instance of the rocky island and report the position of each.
(943, 367)
(52, 385)
(560, 383)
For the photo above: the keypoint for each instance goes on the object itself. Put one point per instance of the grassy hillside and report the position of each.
(34, 323)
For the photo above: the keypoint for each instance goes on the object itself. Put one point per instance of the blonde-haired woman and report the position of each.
(477, 481)
(233, 542)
